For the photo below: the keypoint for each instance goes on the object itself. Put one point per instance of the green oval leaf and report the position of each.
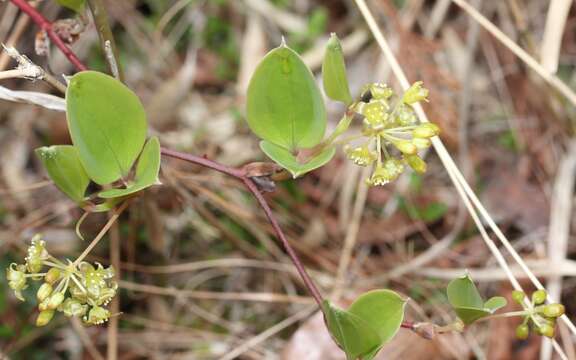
(334, 72)
(75, 5)
(467, 302)
(107, 124)
(288, 161)
(64, 168)
(371, 321)
(350, 332)
(284, 105)
(146, 171)
(495, 303)
(383, 310)
(463, 293)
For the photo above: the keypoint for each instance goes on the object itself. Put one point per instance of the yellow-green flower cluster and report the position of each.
(393, 134)
(75, 289)
(539, 316)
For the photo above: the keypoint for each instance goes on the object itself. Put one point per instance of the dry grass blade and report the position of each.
(473, 204)
(552, 40)
(552, 80)
(561, 216)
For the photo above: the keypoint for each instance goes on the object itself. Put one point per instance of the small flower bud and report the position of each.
(55, 300)
(43, 306)
(44, 317)
(518, 296)
(522, 332)
(421, 143)
(416, 163)
(539, 297)
(406, 147)
(52, 275)
(553, 310)
(16, 275)
(44, 292)
(546, 330)
(426, 130)
(415, 93)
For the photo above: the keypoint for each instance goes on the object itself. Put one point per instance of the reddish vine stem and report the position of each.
(239, 174)
(46, 25)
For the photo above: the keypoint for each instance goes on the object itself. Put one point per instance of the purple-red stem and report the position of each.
(46, 25)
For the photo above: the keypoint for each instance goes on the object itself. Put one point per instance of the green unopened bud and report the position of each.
(546, 330)
(522, 332)
(553, 310)
(426, 130)
(44, 317)
(406, 147)
(44, 305)
(55, 300)
(43, 292)
(518, 296)
(539, 297)
(421, 143)
(415, 93)
(52, 275)
(416, 163)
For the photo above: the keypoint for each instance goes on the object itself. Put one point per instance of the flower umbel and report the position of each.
(539, 316)
(80, 290)
(393, 132)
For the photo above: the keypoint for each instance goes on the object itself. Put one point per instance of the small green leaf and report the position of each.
(284, 105)
(467, 302)
(64, 168)
(107, 124)
(495, 303)
(334, 72)
(469, 315)
(288, 161)
(383, 310)
(463, 293)
(75, 5)
(146, 171)
(350, 332)
(371, 321)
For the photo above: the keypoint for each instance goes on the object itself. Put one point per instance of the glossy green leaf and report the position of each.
(350, 332)
(64, 168)
(147, 171)
(289, 161)
(371, 321)
(495, 303)
(107, 124)
(284, 104)
(467, 302)
(383, 310)
(463, 293)
(334, 72)
(75, 5)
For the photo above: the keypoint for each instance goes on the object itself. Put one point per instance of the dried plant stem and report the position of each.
(115, 214)
(106, 37)
(112, 350)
